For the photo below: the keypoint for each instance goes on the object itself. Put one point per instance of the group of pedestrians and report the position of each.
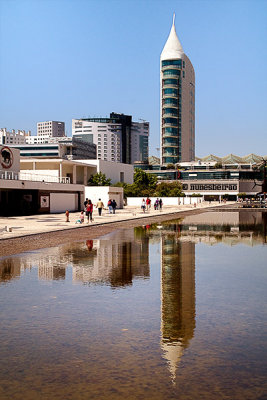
(89, 207)
(112, 206)
(146, 204)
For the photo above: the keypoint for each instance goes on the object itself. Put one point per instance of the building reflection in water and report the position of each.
(116, 259)
(177, 296)
(122, 256)
(9, 269)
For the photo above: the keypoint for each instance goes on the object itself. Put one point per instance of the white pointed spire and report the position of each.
(173, 48)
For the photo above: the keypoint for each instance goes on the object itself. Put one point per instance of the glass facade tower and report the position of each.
(177, 103)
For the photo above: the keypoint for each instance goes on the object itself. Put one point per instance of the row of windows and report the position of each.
(170, 130)
(44, 123)
(171, 91)
(168, 110)
(174, 72)
(170, 151)
(165, 63)
(170, 81)
(170, 141)
(173, 121)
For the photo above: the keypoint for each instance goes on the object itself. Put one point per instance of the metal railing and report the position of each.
(25, 176)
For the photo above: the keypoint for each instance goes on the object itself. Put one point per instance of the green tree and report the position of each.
(172, 189)
(144, 184)
(98, 179)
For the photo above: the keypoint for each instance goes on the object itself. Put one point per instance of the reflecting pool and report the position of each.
(175, 310)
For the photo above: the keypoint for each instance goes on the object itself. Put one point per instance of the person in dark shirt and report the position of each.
(114, 205)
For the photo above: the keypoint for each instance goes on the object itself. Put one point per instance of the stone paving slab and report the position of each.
(12, 227)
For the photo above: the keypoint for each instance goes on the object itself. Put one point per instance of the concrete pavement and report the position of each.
(12, 227)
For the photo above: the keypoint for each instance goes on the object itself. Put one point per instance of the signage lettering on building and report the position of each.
(210, 186)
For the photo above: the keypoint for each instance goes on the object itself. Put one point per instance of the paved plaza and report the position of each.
(12, 227)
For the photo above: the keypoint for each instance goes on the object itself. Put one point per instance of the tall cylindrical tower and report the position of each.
(177, 103)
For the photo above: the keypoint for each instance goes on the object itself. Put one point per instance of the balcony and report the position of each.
(175, 145)
(168, 154)
(169, 125)
(25, 176)
(170, 95)
(177, 67)
(168, 114)
(170, 85)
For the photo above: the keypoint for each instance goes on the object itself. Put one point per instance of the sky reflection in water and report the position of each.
(176, 310)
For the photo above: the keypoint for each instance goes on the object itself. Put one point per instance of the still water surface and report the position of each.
(169, 311)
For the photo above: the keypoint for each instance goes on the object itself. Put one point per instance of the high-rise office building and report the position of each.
(51, 128)
(117, 138)
(177, 103)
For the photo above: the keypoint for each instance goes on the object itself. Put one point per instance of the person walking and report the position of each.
(143, 205)
(99, 206)
(89, 211)
(110, 207)
(148, 203)
(85, 204)
(160, 204)
(114, 205)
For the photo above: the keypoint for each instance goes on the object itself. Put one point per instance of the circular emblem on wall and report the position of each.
(6, 157)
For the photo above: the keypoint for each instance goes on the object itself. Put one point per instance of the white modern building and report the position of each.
(117, 138)
(105, 133)
(177, 103)
(117, 172)
(51, 128)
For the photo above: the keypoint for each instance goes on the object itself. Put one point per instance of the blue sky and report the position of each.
(70, 59)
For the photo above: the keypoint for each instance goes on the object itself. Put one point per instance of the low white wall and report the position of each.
(167, 201)
(60, 202)
(104, 193)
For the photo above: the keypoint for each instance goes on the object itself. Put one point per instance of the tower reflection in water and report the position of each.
(177, 296)
(121, 257)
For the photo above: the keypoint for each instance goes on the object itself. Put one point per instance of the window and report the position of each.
(171, 121)
(170, 81)
(171, 91)
(171, 72)
(172, 111)
(178, 62)
(170, 101)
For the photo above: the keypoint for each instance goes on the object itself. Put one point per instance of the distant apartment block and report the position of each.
(13, 137)
(117, 138)
(51, 128)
